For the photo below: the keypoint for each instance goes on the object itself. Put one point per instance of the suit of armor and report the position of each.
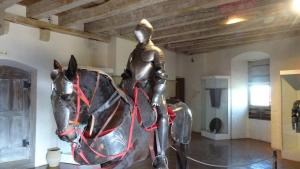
(145, 68)
(296, 116)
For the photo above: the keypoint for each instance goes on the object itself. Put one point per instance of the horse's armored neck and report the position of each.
(88, 82)
(105, 97)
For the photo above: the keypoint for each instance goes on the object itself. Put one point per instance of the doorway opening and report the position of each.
(17, 117)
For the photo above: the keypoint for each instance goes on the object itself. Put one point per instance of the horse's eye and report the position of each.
(66, 97)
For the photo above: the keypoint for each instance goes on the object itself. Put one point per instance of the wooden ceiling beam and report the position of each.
(239, 40)
(202, 15)
(55, 28)
(3, 5)
(108, 9)
(222, 38)
(7, 3)
(278, 36)
(278, 19)
(45, 8)
(153, 12)
(251, 14)
(189, 28)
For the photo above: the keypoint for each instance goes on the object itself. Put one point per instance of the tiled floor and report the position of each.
(234, 153)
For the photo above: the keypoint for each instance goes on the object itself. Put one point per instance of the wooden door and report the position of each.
(14, 120)
(180, 85)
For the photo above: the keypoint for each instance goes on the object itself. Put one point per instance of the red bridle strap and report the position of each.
(67, 132)
(80, 96)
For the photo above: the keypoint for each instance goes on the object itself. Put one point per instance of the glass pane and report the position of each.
(260, 95)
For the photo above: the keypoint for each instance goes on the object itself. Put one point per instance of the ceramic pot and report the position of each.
(53, 157)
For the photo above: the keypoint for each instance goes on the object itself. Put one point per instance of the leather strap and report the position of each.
(109, 118)
(81, 96)
(95, 88)
(112, 100)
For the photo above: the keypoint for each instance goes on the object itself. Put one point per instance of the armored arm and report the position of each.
(160, 78)
(127, 73)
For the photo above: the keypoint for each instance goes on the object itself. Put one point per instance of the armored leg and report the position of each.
(162, 138)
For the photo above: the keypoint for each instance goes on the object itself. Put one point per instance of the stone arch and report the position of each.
(251, 56)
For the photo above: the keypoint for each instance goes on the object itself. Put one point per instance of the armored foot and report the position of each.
(160, 162)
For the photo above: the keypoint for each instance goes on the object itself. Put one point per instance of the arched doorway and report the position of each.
(242, 126)
(17, 117)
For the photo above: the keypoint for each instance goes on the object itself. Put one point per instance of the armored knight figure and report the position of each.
(145, 69)
(296, 116)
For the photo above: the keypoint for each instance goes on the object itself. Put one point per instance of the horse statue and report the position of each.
(104, 125)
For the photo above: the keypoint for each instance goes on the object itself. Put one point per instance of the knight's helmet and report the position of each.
(143, 31)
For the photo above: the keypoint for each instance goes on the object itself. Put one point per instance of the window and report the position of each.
(260, 95)
(259, 89)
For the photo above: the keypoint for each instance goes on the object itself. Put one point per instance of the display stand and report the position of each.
(215, 107)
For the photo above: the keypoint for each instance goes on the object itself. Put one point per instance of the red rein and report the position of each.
(80, 96)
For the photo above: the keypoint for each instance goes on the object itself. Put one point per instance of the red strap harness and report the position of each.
(81, 97)
(154, 126)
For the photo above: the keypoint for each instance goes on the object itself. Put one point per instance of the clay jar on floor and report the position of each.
(53, 156)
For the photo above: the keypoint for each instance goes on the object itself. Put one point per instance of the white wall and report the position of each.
(192, 72)
(99, 55)
(180, 64)
(23, 45)
(239, 97)
(259, 130)
(284, 53)
(170, 64)
(123, 49)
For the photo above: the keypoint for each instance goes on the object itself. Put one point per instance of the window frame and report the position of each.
(259, 112)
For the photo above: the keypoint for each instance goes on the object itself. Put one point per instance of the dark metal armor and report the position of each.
(296, 116)
(145, 68)
(182, 126)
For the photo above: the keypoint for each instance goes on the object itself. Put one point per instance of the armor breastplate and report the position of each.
(113, 143)
(110, 144)
(141, 65)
